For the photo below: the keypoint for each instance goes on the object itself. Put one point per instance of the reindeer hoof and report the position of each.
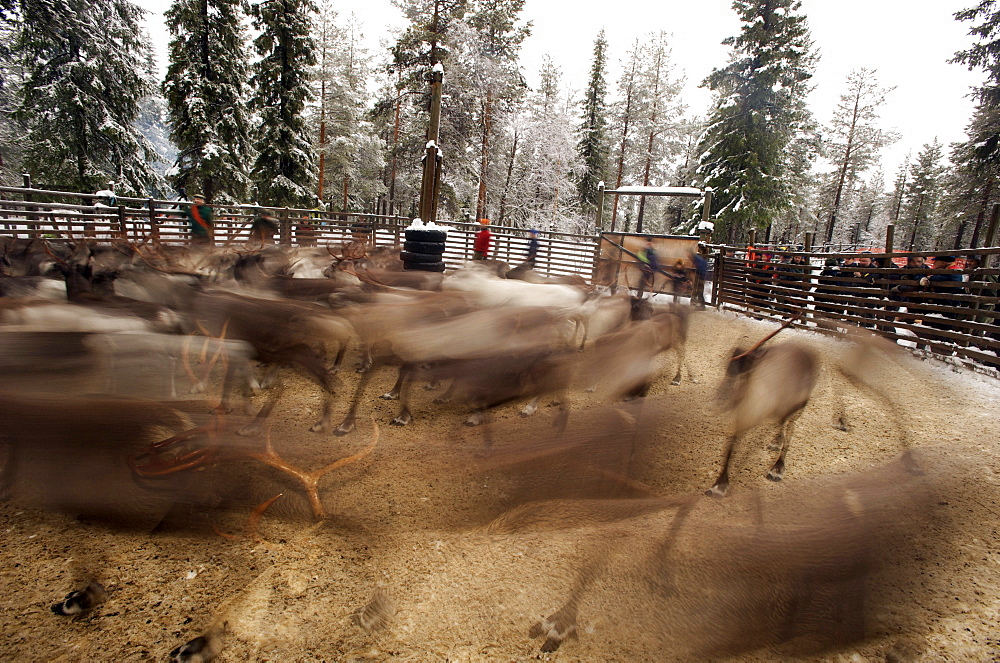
(441, 400)
(718, 490)
(556, 629)
(318, 427)
(675, 382)
(528, 411)
(249, 430)
(775, 476)
(389, 396)
(474, 420)
(198, 388)
(343, 429)
(400, 421)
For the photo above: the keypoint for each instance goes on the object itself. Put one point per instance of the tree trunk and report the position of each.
(484, 157)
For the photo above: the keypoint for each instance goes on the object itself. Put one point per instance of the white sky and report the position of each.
(908, 43)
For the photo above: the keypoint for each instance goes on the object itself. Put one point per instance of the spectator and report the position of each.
(481, 245)
(649, 265)
(865, 278)
(830, 278)
(946, 282)
(532, 255)
(700, 274)
(199, 217)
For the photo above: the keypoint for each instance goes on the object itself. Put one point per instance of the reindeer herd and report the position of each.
(108, 352)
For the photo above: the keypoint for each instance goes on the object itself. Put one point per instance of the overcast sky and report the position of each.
(908, 43)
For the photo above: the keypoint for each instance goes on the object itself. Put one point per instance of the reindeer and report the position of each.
(454, 345)
(280, 332)
(761, 384)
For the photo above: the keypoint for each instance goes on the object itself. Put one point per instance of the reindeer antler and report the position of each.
(310, 480)
(767, 338)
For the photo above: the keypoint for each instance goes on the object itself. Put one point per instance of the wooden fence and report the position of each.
(58, 215)
(950, 318)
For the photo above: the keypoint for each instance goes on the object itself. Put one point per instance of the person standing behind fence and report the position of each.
(532, 256)
(199, 215)
(700, 274)
(481, 245)
(649, 265)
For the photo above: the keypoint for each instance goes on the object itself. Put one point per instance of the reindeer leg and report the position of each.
(721, 485)
(339, 360)
(785, 429)
(347, 425)
(448, 394)
(402, 389)
(254, 426)
(393, 394)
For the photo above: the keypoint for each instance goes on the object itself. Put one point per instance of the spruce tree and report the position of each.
(854, 138)
(205, 89)
(594, 146)
(85, 66)
(759, 111)
(284, 172)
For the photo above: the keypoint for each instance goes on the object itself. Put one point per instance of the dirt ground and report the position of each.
(407, 566)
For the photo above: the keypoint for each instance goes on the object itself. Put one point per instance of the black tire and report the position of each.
(406, 257)
(425, 235)
(431, 248)
(424, 266)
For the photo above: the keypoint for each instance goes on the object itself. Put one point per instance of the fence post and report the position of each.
(890, 235)
(720, 261)
(285, 236)
(991, 234)
(154, 230)
(752, 241)
(807, 245)
(122, 227)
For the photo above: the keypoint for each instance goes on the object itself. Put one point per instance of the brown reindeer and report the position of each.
(761, 384)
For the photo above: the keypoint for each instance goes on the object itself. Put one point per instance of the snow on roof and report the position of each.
(658, 190)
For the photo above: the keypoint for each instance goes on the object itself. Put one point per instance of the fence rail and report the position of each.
(951, 312)
(44, 214)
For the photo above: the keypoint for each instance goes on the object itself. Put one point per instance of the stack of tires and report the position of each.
(422, 250)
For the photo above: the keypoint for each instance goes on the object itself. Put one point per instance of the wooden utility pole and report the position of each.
(430, 183)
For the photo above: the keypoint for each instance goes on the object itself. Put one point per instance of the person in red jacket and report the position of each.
(481, 247)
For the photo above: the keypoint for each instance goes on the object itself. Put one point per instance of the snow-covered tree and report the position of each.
(919, 215)
(658, 122)
(350, 153)
(495, 22)
(854, 138)
(624, 117)
(284, 172)
(594, 146)
(85, 71)
(541, 165)
(205, 89)
(759, 110)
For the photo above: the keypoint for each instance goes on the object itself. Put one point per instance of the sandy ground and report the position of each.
(409, 535)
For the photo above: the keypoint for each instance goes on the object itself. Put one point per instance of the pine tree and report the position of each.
(205, 89)
(922, 196)
(284, 172)
(759, 110)
(500, 38)
(854, 137)
(350, 153)
(86, 70)
(658, 121)
(624, 118)
(594, 146)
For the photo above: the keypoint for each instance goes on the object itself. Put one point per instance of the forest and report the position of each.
(280, 104)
